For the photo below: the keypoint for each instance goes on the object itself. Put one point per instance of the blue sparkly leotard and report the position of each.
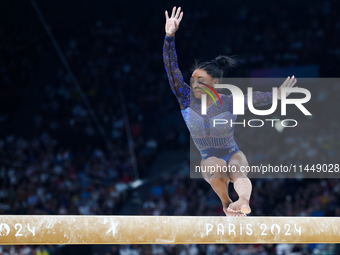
(215, 141)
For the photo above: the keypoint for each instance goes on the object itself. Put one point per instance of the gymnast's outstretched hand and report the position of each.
(289, 82)
(172, 23)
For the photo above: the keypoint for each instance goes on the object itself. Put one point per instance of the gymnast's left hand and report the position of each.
(289, 82)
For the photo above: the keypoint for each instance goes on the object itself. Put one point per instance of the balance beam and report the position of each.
(56, 229)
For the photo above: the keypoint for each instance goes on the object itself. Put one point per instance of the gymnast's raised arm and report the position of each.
(178, 86)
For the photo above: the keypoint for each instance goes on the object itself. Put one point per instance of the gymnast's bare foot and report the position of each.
(240, 206)
(232, 214)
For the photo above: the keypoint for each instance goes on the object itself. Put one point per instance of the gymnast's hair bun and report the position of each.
(225, 62)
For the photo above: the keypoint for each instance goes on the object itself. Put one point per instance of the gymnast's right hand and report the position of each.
(172, 23)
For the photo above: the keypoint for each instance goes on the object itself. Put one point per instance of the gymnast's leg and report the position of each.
(219, 181)
(242, 184)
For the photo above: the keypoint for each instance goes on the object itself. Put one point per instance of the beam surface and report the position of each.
(57, 229)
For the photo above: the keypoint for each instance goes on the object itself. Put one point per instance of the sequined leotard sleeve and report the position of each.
(182, 91)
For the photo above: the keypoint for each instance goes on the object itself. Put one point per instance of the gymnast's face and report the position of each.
(201, 80)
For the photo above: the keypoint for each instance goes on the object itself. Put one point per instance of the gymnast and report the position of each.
(216, 145)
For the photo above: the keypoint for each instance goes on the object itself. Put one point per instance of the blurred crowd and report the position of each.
(66, 167)
(38, 178)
